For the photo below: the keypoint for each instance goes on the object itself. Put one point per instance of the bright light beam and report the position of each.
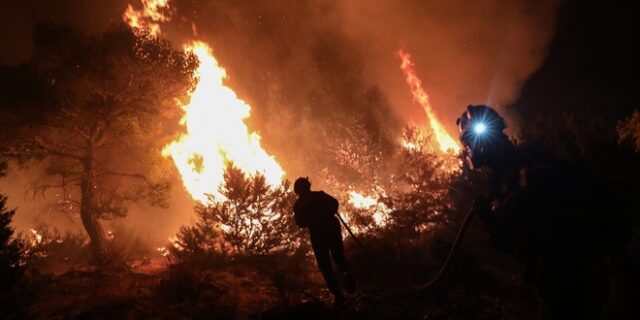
(479, 128)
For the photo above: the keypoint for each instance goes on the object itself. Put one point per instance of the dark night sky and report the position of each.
(592, 66)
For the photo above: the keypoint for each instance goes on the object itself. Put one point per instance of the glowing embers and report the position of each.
(216, 134)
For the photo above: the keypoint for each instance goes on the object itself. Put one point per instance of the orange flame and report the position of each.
(149, 17)
(37, 237)
(445, 141)
(216, 134)
(360, 201)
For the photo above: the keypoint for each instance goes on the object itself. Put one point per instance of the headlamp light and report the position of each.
(479, 128)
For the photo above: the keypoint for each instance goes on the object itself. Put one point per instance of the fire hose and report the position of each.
(447, 261)
(346, 226)
(454, 247)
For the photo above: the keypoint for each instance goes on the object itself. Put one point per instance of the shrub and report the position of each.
(254, 219)
(10, 249)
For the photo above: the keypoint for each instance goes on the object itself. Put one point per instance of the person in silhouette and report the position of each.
(316, 210)
(557, 220)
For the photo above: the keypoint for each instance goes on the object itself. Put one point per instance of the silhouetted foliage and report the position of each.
(196, 245)
(124, 247)
(254, 219)
(251, 229)
(592, 145)
(90, 108)
(420, 196)
(53, 247)
(45, 246)
(629, 130)
(10, 248)
(15, 295)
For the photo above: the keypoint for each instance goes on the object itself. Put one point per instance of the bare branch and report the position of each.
(136, 176)
(55, 149)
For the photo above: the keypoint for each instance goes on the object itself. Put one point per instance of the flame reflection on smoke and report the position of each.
(445, 141)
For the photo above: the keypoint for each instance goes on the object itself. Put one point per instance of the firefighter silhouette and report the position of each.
(557, 220)
(316, 210)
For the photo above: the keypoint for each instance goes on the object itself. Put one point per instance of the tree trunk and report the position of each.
(88, 213)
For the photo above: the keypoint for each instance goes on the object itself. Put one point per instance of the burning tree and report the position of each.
(90, 109)
(421, 197)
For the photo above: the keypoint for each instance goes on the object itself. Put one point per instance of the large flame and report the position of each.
(445, 141)
(216, 134)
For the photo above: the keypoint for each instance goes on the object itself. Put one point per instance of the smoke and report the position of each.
(310, 69)
(18, 184)
(309, 65)
(466, 52)
(316, 71)
(35, 207)
(19, 18)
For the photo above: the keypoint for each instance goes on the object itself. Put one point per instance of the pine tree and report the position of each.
(10, 249)
(91, 108)
(253, 220)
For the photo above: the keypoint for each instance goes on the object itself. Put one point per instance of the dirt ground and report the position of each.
(154, 288)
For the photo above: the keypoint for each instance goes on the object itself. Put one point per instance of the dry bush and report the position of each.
(45, 245)
(419, 199)
(124, 247)
(288, 272)
(193, 246)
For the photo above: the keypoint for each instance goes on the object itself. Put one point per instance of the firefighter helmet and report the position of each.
(302, 185)
(481, 132)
